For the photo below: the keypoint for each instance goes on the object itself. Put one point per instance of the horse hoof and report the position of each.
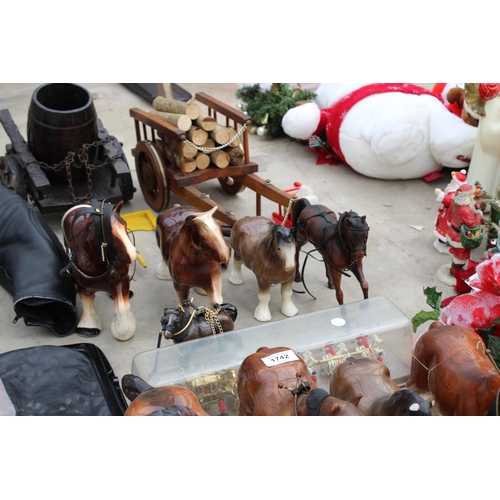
(88, 332)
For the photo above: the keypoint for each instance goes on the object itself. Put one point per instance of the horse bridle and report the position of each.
(337, 230)
(179, 328)
(314, 400)
(101, 211)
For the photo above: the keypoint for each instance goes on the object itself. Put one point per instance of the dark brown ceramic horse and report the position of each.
(341, 242)
(188, 322)
(268, 250)
(168, 400)
(193, 248)
(381, 395)
(100, 253)
(451, 362)
(276, 382)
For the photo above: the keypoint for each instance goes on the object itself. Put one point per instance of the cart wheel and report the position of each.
(230, 186)
(153, 180)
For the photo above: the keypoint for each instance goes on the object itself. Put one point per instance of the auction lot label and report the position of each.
(280, 358)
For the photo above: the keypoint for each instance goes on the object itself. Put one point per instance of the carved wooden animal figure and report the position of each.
(452, 364)
(100, 253)
(276, 381)
(341, 243)
(381, 395)
(193, 248)
(188, 322)
(166, 400)
(268, 250)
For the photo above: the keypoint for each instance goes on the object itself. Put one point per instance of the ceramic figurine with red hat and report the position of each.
(444, 197)
(383, 130)
(465, 231)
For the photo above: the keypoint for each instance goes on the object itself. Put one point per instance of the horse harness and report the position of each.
(325, 237)
(314, 400)
(101, 212)
(184, 318)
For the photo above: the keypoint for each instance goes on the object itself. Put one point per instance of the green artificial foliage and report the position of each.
(267, 107)
(434, 300)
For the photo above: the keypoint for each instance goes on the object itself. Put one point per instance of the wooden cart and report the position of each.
(158, 141)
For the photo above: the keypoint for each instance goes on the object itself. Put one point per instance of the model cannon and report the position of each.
(69, 157)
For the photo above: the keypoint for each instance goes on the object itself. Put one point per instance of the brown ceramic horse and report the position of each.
(341, 243)
(451, 363)
(268, 250)
(167, 400)
(193, 248)
(277, 382)
(381, 395)
(100, 254)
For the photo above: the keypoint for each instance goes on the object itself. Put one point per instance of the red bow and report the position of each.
(325, 156)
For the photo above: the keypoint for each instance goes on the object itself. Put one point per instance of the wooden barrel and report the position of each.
(61, 118)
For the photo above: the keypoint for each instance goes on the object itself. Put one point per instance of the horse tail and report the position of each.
(297, 209)
(133, 385)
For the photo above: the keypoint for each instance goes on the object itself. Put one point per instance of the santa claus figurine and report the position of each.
(463, 216)
(445, 198)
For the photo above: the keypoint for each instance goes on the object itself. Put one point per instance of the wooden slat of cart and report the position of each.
(203, 203)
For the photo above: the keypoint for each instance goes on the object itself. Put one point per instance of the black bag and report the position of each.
(61, 380)
(31, 257)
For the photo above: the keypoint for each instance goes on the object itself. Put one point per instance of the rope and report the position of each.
(217, 148)
(444, 360)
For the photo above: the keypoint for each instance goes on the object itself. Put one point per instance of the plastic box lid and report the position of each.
(177, 364)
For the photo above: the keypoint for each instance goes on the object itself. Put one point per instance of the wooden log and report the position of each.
(165, 90)
(207, 123)
(188, 150)
(236, 155)
(209, 143)
(179, 107)
(197, 135)
(190, 164)
(220, 134)
(220, 158)
(173, 157)
(202, 161)
(182, 122)
(237, 141)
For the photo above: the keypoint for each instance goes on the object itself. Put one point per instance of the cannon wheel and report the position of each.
(230, 186)
(155, 185)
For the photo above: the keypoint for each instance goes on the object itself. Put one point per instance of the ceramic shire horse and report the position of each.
(451, 362)
(268, 250)
(100, 253)
(277, 382)
(193, 248)
(381, 395)
(147, 400)
(341, 243)
(188, 322)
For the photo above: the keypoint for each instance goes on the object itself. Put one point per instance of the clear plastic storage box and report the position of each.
(209, 366)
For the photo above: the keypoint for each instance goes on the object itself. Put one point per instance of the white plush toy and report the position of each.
(385, 131)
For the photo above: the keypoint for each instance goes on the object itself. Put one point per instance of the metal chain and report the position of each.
(210, 150)
(211, 317)
(83, 157)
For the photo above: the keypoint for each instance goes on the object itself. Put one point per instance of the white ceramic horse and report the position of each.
(268, 250)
